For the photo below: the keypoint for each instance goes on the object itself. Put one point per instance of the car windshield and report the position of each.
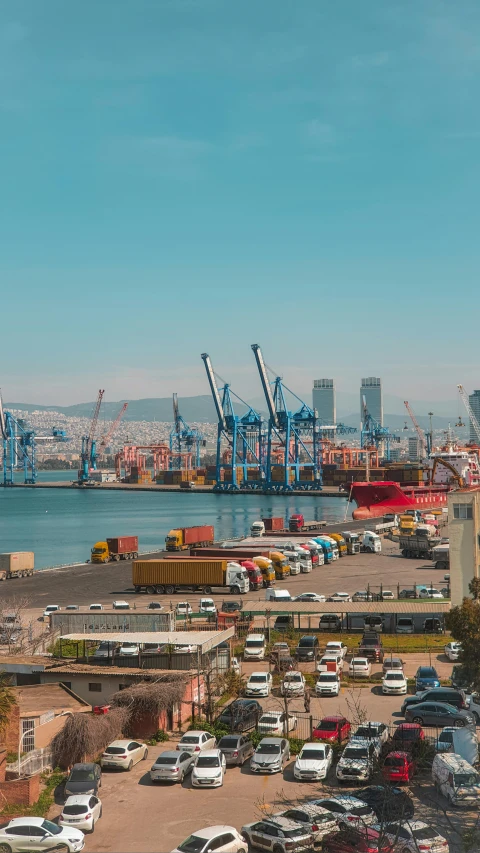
(115, 750)
(352, 752)
(189, 739)
(254, 643)
(360, 811)
(328, 725)
(166, 759)
(268, 748)
(306, 641)
(83, 775)
(424, 833)
(312, 754)
(228, 743)
(466, 779)
(427, 672)
(271, 721)
(407, 734)
(48, 826)
(394, 676)
(447, 737)
(393, 761)
(293, 676)
(328, 676)
(257, 678)
(193, 844)
(367, 731)
(359, 662)
(80, 809)
(208, 761)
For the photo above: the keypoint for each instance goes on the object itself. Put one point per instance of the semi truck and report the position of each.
(279, 562)
(418, 546)
(113, 550)
(297, 522)
(181, 538)
(17, 564)
(441, 556)
(170, 576)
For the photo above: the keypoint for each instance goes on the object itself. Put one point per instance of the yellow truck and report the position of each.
(342, 545)
(120, 548)
(406, 525)
(266, 567)
(280, 564)
(181, 538)
(188, 573)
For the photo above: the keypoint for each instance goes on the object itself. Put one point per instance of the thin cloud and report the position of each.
(371, 60)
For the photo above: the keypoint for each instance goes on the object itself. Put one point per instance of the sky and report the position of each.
(188, 176)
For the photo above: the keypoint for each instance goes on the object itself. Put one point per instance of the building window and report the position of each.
(462, 511)
(28, 735)
(95, 687)
(67, 684)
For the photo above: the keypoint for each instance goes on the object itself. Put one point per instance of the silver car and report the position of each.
(270, 756)
(279, 834)
(236, 748)
(172, 766)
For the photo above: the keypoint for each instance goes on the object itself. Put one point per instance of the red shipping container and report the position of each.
(274, 523)
(123, 544)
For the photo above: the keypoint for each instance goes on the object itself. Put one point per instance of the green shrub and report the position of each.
(161, 736)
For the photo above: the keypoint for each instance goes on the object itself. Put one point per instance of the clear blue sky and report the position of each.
(180, 176)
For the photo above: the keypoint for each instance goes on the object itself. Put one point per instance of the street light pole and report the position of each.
(29, 731)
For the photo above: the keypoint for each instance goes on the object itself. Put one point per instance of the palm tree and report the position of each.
(7, 700)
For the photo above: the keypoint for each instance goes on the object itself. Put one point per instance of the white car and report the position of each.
(349, 811)
(394, 682)
(275, 723)
(330, 663)
(196, 741)
(334, 647)
(119, 604)
(96, 607)
(293, 684)
(50, 608)
(328, 684)
(259, 684)
(310, 596)
(356, 762)
(360, 668)
(430, 593)
(388, 595)
(415, 835)
(129, 650)
(222, 839)
(313, 762)
(340, 596)
(209, 769)
(41, 835)
(186, 649)
(207, 605)
(81, 811)
(453, 650)
(371, 731)
(123, 754)
(183, 608)
(314, 819)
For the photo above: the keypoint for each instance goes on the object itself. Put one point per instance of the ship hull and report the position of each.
(375, 499)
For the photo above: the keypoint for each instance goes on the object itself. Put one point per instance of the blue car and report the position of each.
(425, 678)
(445, 740)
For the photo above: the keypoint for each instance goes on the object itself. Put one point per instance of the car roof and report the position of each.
(314, 745)
(392, 672)
(273, 714)
(211, 831)
(211, 753)
(170, 752)
(26, 821)
(196, 732)
(85, 765)
(333, 718)
(260, 672)
(346, 800)
(370, 723)
(123, 741)
(284, 822)
(359, 742)
(293, 672)
(398, 753)
(275, 740)
(78, 800)
(310, 808)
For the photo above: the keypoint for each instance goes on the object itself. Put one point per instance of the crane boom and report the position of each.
(417, 427)
(96, 412)
(3, 427)
(470, 412)
(108, 435)
(176, 416)
(214, 390)
(265, 383)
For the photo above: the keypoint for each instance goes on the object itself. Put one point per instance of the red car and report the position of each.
(334, 729)
(408, 737)
(356, 841)
(399, 767)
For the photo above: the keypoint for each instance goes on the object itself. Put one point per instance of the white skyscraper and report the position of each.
(474, 400)
(323, 395)
(414, 449)
(371, 389)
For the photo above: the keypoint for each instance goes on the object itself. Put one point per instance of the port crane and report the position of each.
(19, 443)
(425, 439)
(372, 433)
(112, 430)
(184, 439)
(299, 433)
(470, 412)
(245, 436)
(89, 444)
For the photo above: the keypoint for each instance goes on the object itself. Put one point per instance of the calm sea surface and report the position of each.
(61, 525)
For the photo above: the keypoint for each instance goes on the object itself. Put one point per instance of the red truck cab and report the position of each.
(254, 574)
(296, 522)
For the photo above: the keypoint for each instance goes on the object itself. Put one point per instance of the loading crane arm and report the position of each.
(214, 389)
(470, 412)
(110, 433)
(455, 475)
(96, 412)
(265, 384)
(417, 428)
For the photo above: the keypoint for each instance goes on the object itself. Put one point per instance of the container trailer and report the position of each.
(181, 538)
(119, 548)
(16, 564)
(170, 576)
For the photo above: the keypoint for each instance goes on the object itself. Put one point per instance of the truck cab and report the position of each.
(280, 564)
(326, 548)
(100, 553)
(371, 542)
(254, 574)
(406, 524)
(237, 577)
(296, 522)
(341, 544)
(352, 541)
(334, 544)
(257, 528)
(266, 567)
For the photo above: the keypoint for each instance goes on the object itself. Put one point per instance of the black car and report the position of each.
(439, 714)
(83, 779)
(459, 678)
(388, 803)
(329, 622)
(155, 605)
(307, 648)
(240, 715)
(436, 694)
(407, 593)
(231, 606)
(283, 623)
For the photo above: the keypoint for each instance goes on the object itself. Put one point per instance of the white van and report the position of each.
(456, 779)
(254, 647)
(405, 625)
(371, 542)
(277, 594)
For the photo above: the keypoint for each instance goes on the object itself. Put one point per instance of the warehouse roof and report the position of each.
(36, 699)
(357, 607)
(204, 640)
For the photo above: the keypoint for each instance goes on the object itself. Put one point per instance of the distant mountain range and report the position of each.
(201, 410)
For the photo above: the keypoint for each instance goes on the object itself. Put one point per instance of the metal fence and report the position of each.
(35, 761)
(307, 723)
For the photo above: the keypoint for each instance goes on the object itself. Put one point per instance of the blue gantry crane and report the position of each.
(184, 439)
(295, 434)
(89, 444)
(19, 443)
(240, 439)
(374, 434)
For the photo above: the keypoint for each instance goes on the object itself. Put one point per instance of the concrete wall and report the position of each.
(22, 792)
(80, 684)
(464, 548)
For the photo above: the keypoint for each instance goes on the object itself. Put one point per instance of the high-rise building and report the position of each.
(371, 389)
(474, 400)
(323, 395)
(414, 449)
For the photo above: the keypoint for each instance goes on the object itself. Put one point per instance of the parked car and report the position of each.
(236, 749)
(209, 769)
(283, 622)
(51, 608)
(207, 605)
(335, 647)
(408, 737)
(96, 606)
(307, 648)
(83, 779)
(313, 762)
(222, 839)
(399, 767)
(120, 604)
(362, 595)
(439, 714)
(154, 605)
(270, 756)
(183, 608)
(371, 647)
(231, 606)
(360, 668)
(437, 694)
(334, 729)
(105, 650)
(314, 819)
(316, 597)
(81, 811)
(460, 679)
(330, 663)
(388, 802)
(432, 625)
(259, 684)
(361, 840)
(350, 811)
(293, 684)
(329, 622)
(388, 595)
(327, 684)
(124, 754)
(357, 761)
(277, 833)
(394, 682)
(444, 742)
(277, 723)
(371, 731)
(392, 663)
(430, 593)
(453, 650)
(426, 677)
(129, 650)
(241, 715)
(414, 835)
(72, 607)
(340, 596)
(172, 766)
(373, 623)
(196, 741)
(22, 834)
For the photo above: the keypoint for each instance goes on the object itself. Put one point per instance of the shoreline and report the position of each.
(330, 492)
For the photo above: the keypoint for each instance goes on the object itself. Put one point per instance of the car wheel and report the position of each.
(130, 764)
(235, 590)
(418, 720)
(277, 848)
(145, 754)
(459, 724)
(5, 848)
(246, 838)
(151, 590)
(182, 777)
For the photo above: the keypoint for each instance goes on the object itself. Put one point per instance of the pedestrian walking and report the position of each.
(306, 700)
